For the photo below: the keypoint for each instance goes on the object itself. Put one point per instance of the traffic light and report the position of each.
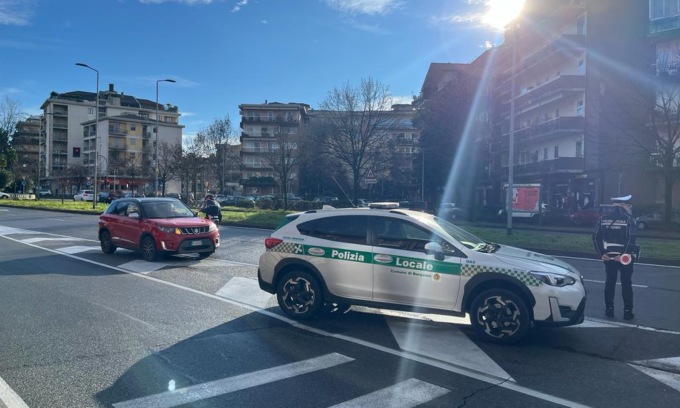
(76, 152)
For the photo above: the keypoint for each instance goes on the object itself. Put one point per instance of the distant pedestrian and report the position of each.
(614, 240)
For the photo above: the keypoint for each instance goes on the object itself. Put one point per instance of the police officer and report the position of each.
(614, 240)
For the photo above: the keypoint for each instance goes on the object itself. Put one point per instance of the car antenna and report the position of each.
(343, 192)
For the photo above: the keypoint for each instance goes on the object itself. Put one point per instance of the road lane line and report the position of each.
(246, 291)
(599, 260)
(212, 389)
(618, 283)
(397, 353)
(9, 398)
(406, 394)
(78, 249)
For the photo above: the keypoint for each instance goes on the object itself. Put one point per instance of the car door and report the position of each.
(404, 274)
(338, 247)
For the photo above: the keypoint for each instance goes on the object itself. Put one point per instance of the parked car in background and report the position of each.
(156, 227)
(326, 199)
(174, 195)
(588, 217)
(84, 195)
(414, 205)
(655, 219)
(450, 211)
(237, 201)
(3, 196)
(44, 192)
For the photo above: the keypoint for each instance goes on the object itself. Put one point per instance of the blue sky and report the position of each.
(226, 52)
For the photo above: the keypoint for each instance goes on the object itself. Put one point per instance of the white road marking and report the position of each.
(618, 283)
(594, 324)
(211, 389)
(78, 249)
(670, 379)
(40, 239)
(246, 291)
(397, 353)
(444, 343)
(406, 394)
(139, 266)
(57, 219)
(9, 398)
(636, 263)
(630, 326)
(666, 364)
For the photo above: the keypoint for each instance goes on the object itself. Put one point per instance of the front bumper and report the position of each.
(563, 315)
(191, 245)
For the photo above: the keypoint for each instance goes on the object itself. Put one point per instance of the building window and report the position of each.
(579, 108)
(133, 126)
(581, 67)
(557, 152)
(90, 111)
(581, 25)
(579, 148)
(545, 153)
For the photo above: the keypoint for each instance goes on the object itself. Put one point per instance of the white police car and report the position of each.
(409, 260)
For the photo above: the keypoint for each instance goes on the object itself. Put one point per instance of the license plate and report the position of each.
(196, 243)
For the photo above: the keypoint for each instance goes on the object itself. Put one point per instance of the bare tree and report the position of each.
(648, 114)
(78, 173)
(10, 114)
(192, 162)
(361, 126)
(216, 138)
(169, 155)
(133, 170)
(283, 158)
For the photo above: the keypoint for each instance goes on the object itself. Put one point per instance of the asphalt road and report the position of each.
(82, 329)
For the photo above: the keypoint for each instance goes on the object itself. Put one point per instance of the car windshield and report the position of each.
(166, 209)
(466, 238)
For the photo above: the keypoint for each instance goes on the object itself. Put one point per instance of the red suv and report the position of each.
(156, 227)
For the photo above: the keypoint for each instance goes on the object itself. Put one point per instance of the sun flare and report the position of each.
(501, 12)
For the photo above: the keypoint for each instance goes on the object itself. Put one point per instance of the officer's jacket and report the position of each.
(615, 233)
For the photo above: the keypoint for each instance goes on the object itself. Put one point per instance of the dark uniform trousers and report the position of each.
(611, 269)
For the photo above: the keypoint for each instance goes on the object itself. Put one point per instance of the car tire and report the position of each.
(148, 248)
(500, 316)
(299, 295)
(106, 243)
(641, 225)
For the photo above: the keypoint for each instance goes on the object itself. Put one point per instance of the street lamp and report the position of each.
(157, 81)
(511, 153)
(96, 129)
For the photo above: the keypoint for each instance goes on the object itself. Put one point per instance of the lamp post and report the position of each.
(157, 82)
(511, 152)
(96, 135)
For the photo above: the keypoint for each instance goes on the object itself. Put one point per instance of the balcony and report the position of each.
(566, 46)
(117, 131)
(551, 129)
(254, 166)
(256, 150)
(117, 148)
(146, 135)
(561, 165)
(554, 89)
(259, 182)
(660, 25)
(60, 125)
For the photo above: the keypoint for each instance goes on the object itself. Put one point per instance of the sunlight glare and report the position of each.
(501, 12)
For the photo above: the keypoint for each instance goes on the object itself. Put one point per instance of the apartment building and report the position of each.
(260, 124)
(126, 138)
(568, 60)
(664, 34)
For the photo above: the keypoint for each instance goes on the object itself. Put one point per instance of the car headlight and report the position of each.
(553, 279)
(212, 227)
(169, 230)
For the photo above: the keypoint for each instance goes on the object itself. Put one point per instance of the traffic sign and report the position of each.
(369, 178)
(88, 183)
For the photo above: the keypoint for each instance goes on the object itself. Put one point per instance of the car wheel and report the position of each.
(106, 244)
(299, 295)
(641, 225)
(500, 316)
(149, 251)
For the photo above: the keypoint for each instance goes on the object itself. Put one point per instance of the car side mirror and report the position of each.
(433, 248)
(134, 215)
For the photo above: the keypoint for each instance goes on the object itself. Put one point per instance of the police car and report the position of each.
(400, 259)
